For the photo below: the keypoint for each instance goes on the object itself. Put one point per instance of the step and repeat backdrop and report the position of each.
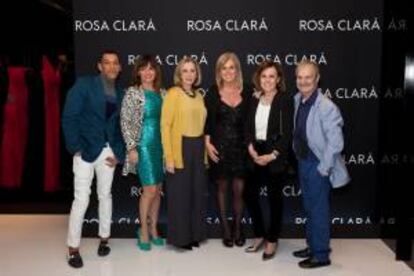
(343, 37)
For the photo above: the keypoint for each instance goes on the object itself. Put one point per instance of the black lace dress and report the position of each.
(226, 127)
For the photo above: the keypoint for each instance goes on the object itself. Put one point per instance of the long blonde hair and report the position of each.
(222, 59)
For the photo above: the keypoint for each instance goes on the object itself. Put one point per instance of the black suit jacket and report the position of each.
(279, 128)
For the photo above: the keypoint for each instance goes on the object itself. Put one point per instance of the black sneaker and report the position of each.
(304, 253)
(103, 249)
(75, 260)
(313, 263)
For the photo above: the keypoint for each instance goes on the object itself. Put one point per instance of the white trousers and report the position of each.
(83, 175)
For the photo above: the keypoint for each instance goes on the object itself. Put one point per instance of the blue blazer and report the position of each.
(325, 138)
(84, 120)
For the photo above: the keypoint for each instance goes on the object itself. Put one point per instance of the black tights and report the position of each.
(238, 204)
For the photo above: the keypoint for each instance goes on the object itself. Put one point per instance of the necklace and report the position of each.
(189, 93)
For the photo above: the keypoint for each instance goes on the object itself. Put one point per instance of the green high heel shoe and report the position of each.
(144, 246)
(158, 241)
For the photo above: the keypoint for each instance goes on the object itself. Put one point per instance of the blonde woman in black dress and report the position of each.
(226, 103)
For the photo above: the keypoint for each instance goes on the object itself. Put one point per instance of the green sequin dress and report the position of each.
(150, 162)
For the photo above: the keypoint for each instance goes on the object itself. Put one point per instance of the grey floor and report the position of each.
(391, 244)
(35, 245)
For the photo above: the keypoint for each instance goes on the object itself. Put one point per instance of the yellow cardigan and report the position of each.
(173, 123)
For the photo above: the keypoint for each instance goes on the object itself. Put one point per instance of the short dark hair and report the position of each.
(107, 52)
(281, 85)
(142, 62)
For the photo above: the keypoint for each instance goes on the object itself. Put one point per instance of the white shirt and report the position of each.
(261, 120)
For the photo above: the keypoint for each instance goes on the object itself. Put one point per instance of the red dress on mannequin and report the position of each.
(51, 81)
(12, 149)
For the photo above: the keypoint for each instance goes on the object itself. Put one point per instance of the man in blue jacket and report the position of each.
(317, 143)
(92, 133)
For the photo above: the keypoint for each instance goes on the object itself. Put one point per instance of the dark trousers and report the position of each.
(274, 198)
(187, 196)
(315, 198)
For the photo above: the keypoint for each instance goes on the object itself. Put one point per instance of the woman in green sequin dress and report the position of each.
(140, 123)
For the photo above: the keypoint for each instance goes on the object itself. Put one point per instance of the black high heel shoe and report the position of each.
(186, 247)
(227, 241)
(268, 256)
(239, 239)
(227, 238)
(195, 244)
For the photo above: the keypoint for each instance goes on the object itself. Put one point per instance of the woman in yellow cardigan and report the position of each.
(183, 118)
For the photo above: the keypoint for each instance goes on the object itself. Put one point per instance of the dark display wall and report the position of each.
(344, 38)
